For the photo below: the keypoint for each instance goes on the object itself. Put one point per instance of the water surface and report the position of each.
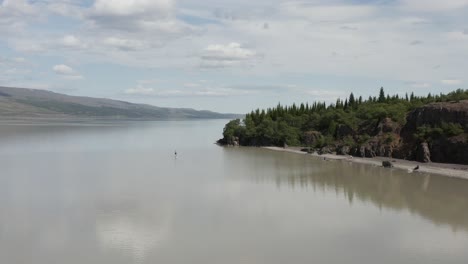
(114, 193)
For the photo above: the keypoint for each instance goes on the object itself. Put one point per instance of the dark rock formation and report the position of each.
(436, 113)
(387, 164)
(423, 153)
(440, 147)
(311, 138)
(343, 150)
(450, 150)
(325, 150)
(344, 131)
(232, 141)
(387, 125)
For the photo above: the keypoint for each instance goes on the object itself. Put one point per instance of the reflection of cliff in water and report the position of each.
(442, 200)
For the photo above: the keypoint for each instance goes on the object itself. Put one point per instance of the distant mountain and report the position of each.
(30, 103)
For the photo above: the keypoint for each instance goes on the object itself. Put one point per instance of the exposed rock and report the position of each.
(387, 164)
(450, 150)
(343, 131)
(325, 150)
(307, 150)
(387, 125)
(232, 141)
(388, 151)
(311, 138)
(423, 153)
(369, 152)
(436, 113)
(440, 148)
(364, 151)
(343, 150)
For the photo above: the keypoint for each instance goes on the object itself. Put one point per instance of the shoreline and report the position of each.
(442, 169)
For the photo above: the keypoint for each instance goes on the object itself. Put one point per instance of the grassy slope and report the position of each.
(18, 102)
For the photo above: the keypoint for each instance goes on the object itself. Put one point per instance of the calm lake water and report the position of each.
(114, 193)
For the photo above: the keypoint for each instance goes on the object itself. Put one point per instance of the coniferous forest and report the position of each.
(352, 122)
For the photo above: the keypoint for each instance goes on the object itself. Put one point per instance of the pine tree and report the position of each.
(351, 101)
(381, 95)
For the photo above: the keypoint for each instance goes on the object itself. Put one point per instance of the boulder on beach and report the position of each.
(387, 164)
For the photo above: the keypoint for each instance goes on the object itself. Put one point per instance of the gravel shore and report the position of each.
(449, 170)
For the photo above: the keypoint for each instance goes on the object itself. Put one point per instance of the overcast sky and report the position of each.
(233, 55)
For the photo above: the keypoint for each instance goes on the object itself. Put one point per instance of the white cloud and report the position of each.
(11, 71)
(326, 12)
(124, 44)
(19, 59)
(325, 95)
(191, 85)
(17, 7)
(71, 41)
(135, 15)
(140, 90)
(66, 8)
(458, 35)
(132, 7)
(63, 69)
(433, 5)
(451, 82)
(255, 40)
(226, 55)
(194, 90)
(15, 14)
(67, 72)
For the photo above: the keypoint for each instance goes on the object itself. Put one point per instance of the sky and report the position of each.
(234, 55)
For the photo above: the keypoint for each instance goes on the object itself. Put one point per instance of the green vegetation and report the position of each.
(352, 121)
(427, 133)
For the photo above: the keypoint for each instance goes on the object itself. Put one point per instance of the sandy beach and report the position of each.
(449, 170)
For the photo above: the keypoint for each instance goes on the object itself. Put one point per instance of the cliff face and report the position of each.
(443, 143)
(436, 113)
(436, 132)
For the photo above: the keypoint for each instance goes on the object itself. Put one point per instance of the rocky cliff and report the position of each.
(436, 132)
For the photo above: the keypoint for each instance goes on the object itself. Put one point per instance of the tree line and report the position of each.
(282, 125)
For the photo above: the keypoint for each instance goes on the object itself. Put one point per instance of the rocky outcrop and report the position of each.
(344, 131)
(450, 150)
(436, 113)
(343, 150)
(436, 147)
(387, 164)
(387, 125)
(325, 150)
(232, 141)
(311, 138)
(423, 153)
(436, 132)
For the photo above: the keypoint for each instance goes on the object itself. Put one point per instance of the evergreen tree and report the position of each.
(351, 101)
(381, 95)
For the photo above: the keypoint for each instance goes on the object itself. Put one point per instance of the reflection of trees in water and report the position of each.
(439, 199)
(442, 200)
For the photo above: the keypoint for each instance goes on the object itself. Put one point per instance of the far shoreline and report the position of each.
(448, 170)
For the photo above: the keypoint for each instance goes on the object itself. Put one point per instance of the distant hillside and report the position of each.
(31, 103)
